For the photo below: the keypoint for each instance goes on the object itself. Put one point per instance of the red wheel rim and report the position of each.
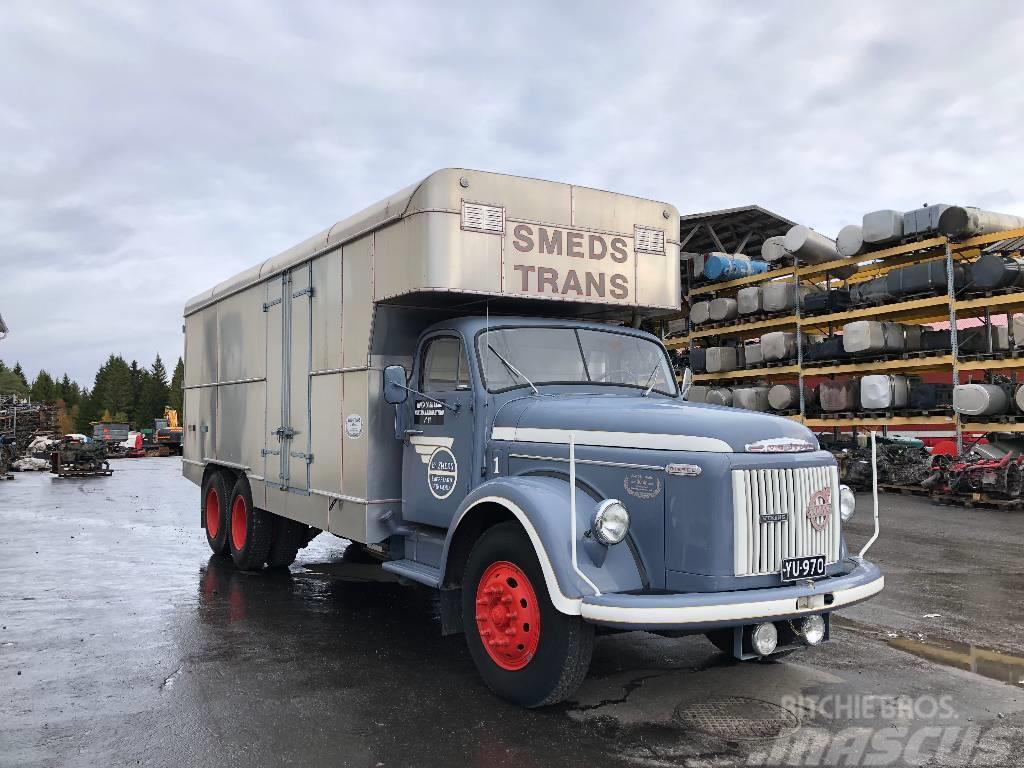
(212, 513)
(507, 615)
(239, 522)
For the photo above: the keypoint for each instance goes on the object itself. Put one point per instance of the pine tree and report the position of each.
(154, 394)
(43, 389)
(20, 373)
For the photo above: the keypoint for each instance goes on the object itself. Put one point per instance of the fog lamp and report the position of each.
(611, 522)
(813, 629)
(764, 638)
(847, 502)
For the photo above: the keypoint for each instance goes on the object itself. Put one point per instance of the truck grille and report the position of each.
(777, 514)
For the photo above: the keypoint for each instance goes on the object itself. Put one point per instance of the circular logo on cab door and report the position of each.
(442, 473)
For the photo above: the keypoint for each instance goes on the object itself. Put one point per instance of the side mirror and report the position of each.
(395, 391)
(684, 388)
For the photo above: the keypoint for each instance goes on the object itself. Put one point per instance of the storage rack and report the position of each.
(947, 307)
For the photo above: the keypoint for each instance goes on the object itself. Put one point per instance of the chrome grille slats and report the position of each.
(760, 547)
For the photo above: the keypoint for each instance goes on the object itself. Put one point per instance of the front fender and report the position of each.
(541, 505)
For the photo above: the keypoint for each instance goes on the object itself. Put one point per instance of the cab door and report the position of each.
(437, 460)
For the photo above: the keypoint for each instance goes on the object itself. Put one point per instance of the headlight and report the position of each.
(611, 522)
(847, 502)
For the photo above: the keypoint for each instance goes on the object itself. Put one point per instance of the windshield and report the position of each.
(519, 357)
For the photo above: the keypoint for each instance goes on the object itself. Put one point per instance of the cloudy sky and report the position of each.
(152, 149)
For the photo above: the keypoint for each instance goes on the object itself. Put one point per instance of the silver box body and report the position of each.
(283, 361)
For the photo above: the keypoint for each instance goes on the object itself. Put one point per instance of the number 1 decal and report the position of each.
(496, 470)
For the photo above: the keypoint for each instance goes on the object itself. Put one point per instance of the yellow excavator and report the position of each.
(167, 432)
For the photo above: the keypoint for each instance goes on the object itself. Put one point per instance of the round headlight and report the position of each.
(813, 629)
(611, 522)
(847, 502)
(764, 639)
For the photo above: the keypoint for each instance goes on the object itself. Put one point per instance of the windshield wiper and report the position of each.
(515, 371)
(650, 380)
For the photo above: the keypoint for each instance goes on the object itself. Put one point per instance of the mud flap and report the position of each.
(451, 611)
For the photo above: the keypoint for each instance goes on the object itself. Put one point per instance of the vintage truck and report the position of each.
(454, 381)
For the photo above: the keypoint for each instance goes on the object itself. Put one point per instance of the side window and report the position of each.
(444, 366)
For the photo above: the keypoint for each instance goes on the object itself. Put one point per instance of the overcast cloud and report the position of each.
(151, 150)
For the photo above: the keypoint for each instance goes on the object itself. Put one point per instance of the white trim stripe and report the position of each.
(648, 440)
(704, 614)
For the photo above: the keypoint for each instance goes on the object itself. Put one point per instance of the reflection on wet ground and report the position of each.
(1003, 667)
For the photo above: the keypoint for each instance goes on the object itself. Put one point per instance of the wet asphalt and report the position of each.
(122, 642)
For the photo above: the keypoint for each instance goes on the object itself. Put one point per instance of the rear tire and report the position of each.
(214, 508)
(287, 538)
(525, 650)
(249, 529)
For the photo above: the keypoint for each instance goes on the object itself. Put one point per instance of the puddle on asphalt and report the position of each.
(996, 665)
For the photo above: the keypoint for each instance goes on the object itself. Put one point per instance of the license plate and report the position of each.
(803, 568)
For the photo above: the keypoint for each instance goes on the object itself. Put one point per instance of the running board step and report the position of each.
(418, 572)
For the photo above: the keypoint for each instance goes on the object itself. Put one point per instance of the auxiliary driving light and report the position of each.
(611, 522)
(847, 502)
(813, 629)
(764, 638)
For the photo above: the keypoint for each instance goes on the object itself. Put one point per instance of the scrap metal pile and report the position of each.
(901, 461)
(75, 455)
(21, 423)
(994, 468)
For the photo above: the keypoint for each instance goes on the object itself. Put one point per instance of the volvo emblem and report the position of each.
(819, 508)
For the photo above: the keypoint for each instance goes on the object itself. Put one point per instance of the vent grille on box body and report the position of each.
(483, 218)
(649, 240)
(770, 514)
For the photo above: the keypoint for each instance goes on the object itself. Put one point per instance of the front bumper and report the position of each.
(714, 610)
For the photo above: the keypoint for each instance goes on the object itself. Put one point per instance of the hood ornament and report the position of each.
(780, 445)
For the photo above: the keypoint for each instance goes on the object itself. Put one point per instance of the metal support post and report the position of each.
(954, 348)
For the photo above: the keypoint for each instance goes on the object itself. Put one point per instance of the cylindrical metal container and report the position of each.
(778, 345)
(748, 300)
(752, 353)
(723, 266)
(783, 397)
(719, 396)
(1018, 398)
(750, 398)
(810, 246)
(979, 399)
(883, 392)
(993, 271)
(963, 221)
(850, 241)
(836, 396)
(697, 394)
(883, 227)
(723, 309)
(722, 359)
(700, 312)
(774, 249)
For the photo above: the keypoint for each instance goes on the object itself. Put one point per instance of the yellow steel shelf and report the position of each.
(988, 426)
(744, 329)
(929, 309)
(988, 365)
(750, 373)
(997, 305)
(892, 421)
(936, 362)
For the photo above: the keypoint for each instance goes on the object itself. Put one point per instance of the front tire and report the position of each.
(249, 529)
(525, 650)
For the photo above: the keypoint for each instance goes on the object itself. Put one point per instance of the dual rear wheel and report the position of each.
(253, 537)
